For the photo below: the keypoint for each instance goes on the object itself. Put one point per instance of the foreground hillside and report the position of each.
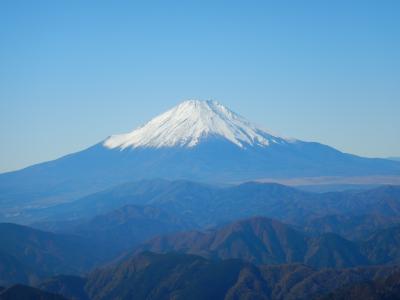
(22, 292)
(180, 276)
(378, 289)
(29, 255)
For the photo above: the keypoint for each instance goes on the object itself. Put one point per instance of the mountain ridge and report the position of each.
(206, 204)
(216, 150)
(261, 240)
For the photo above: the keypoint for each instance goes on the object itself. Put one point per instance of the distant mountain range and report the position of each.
(208, 205)
(196, 140)
(128, 226)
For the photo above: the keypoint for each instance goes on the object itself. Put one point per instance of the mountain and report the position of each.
(171, 196)
(353, 227)
(383, 246)
(262, 241)
(180, 276)
(380, 289)
(209, 205)
(196, 140)
(201, 204)
(189, 124)
(12, 270)
(26, 254)
(164, 277)
(71, 287)
(332, 251)
(127, 227)
(23, 292)
(257, 240)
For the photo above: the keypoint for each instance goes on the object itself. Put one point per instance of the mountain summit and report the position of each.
(188, 123)
(196, 140)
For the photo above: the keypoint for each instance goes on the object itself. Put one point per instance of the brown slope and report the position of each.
(332, 251)
(353, 227)
(381, 289)
(262, 241)
(383, 247)
(169, 276)
(181, 276)
(257, 240)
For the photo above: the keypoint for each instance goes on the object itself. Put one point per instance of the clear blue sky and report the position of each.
(74, 72)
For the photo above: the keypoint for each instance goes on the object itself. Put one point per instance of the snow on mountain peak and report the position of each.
(186, 124)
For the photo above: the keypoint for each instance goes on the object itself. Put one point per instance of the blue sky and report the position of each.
(74, 72)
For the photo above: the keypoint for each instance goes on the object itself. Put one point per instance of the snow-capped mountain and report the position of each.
(196, 140)
(188, 123)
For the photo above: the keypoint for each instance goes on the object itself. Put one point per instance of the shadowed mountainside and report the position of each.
(181, 276)
(383, 247)
(124, 228)
(379, 289)
(27, 254)
(23, 292)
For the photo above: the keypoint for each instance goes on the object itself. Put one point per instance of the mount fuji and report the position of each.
(196, 140)
(191, 123)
